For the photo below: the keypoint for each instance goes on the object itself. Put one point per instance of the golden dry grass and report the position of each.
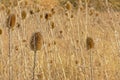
(64, 54)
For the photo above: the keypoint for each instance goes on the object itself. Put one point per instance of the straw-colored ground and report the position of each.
(64, 54)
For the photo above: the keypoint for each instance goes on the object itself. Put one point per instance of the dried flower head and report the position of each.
(23, 14)
(0, 31)
(52, 25)
(89, 43)
(47, 16)
(11, 20)
(36, 41)
(53, 11)
(68, 5)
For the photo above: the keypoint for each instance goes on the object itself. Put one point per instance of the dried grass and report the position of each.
(64, 54)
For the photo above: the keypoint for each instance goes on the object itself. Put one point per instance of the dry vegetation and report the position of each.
(60, 40)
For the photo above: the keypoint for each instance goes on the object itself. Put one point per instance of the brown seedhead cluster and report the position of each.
(36, 41)
(91, 12)
(53, 11)
(47, 16)
(11, 21)
(52, 25)
(18, 25)
(23, 40)
(72, 16)
(41, 16)
(54, 42)
(66, 14)
(76, 61)
(0, 31)
(16, 48)
(61, 31)
(49, 44)
(31, 12)
(77, 41)
(51, 61)
(89, 43)
(68, 6)
(97, 14)
(23, 14)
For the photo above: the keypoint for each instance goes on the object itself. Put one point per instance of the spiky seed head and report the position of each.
(36, 41)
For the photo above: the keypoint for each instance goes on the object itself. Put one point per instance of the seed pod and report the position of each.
(68, 5)
(11, 21)
(47, 16)
(76, 61)
(36, 41)
(89, 43)
(0, 31)
(53, 11)
(23, 14)
(41, 16)
(52, 25)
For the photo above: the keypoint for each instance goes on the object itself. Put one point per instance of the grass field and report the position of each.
(76, 40)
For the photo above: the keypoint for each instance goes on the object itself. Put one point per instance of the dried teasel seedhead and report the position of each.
(11, 21)
(68, 5)
(23, 14)
(36, 41)
(76, 61)
(91, 12)
(53, 11)
(89, 43)
(41, 16)
(40, 76)
(52, 25)
(48, 16)
(0, 31)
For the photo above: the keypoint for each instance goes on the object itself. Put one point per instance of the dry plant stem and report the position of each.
(21, 51)
(48, 64)
(116, 33)
(107, 4)
(117, 39)
(59, 57)
(105, 72)
(80, 21)
(86, 23)
(35, 55)
(21, 47)
(59, 21)
(34, 63)
(49, 77)
(47, 59)
(34, 59)
(106, 75)
(43, 73)
(113, 48)
(61, 64)
(45, 50)
(86, 26)
(60, 60)
(24, 30)
(71, 40)
(9, 55)
(91, 67)
(104, 60)
(73, 43)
